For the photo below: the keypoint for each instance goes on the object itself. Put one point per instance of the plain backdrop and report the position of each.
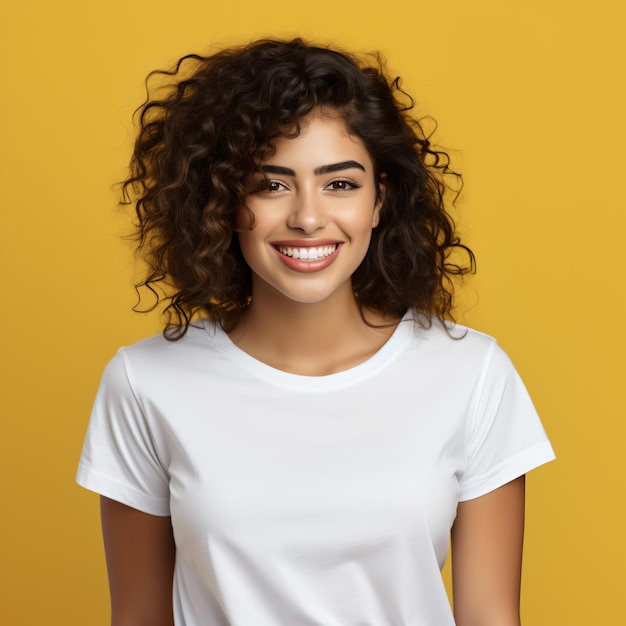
(529, 97)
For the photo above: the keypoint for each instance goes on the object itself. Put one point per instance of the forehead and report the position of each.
(322, 137)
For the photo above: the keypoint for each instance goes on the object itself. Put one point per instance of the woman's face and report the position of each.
(314, 220)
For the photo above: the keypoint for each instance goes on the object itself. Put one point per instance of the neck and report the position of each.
(310, 338)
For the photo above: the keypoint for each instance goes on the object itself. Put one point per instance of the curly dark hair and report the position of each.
(202, 134)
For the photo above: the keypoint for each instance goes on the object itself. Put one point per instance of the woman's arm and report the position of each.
(140, 560)
(487, 539)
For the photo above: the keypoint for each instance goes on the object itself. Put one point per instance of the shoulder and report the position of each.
(201, 336)
(453, 353)
(157, 359)
(449, 340)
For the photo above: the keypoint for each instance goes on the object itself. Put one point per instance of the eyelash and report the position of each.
(349, 185)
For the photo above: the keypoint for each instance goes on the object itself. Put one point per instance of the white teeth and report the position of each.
(308, 254)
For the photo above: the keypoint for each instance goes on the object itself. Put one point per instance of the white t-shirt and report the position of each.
(310, 501)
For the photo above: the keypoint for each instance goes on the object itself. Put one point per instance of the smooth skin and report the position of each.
(140, 555)
(308, 322)
(487, 541)
(303, 322)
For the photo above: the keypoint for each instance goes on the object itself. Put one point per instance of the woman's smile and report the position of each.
(308, 256)
(308, 253)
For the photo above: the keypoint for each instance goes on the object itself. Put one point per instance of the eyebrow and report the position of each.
(337, 167)
(323, 169)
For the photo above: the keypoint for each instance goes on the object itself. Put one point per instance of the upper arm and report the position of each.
(487, 539)
(140, 557)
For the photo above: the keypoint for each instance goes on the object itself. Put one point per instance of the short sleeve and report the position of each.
(505, 437)
(119, 459)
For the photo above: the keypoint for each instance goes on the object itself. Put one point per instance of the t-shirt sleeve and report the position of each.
(505, 437)
(120, 459)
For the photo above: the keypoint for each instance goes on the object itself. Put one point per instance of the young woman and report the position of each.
(297, 447)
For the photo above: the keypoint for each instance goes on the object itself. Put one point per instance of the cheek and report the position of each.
(368, 219)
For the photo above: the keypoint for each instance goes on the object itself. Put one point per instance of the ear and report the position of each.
(380, 200)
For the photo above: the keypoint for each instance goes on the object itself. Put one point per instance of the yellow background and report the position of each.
(530, 98)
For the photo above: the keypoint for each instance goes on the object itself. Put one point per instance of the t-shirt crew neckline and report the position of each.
(388, 351)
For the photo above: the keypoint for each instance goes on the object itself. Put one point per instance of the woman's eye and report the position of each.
(342, 185)
(275, 185)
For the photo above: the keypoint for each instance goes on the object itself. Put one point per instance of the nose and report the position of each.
(307, 212)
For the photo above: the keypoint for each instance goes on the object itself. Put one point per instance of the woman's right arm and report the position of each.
(140, 554)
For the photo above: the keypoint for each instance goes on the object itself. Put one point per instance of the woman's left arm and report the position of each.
(487, 540)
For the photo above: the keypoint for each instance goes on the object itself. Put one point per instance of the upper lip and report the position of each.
(306, 243)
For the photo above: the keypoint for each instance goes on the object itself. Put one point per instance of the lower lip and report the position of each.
(308, 266)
